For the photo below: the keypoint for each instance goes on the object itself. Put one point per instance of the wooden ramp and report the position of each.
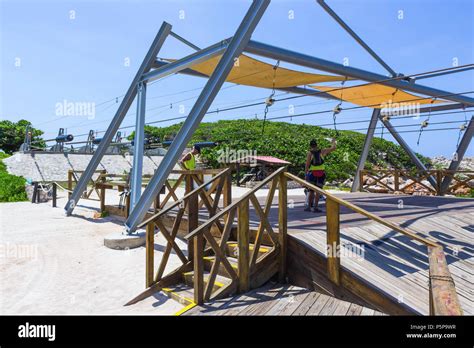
(386, 262)
(396, 254)
(277, 299)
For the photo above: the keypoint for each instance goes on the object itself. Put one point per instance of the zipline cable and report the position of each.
(462, 128)
(425, 123)
(269, 101)
(337, 109)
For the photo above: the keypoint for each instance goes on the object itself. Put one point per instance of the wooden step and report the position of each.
(181, 293)
(232, 249)
(209, 261)
(220, 281)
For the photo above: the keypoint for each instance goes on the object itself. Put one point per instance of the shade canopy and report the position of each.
(375, 95)
(252, 72)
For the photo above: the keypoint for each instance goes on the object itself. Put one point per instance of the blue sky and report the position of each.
(76, 51)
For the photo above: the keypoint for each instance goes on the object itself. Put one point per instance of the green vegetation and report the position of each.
(290, 142)
(12, 188)
(12, 135)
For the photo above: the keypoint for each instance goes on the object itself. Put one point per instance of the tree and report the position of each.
(12, 135)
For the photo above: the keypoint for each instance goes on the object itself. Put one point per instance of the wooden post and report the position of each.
(69, 183)
(333, 239)
(282, 225)
(156, 203)
(396, 180)
(227, 190)
(35, 193)
(237, 167)
(443, 297)
(150, 252)
(192, 211)
(54, 194)
(38, 194)
(103, 179)
(196, 244)
(361, 181)
(439, 180)
(198, 269)
(127, 204)
(243, 234)
(102, 198)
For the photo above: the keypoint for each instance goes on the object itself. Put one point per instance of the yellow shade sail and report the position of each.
(375, 95)
(252, 72)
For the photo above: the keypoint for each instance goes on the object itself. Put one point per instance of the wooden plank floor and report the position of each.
(275, 299)
(389, 261)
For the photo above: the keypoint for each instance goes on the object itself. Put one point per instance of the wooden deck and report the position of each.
(387, 261)
(275, 299)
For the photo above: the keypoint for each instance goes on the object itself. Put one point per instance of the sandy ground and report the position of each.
(53, 264)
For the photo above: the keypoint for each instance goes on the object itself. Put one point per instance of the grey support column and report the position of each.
(355, 36)
(366, 147)
(408, 150)
(138, 148)
(459, 154)
(146, 65)
(205, 99)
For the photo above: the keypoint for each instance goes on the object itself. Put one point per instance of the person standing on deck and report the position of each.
(315, 171)
(188, 161)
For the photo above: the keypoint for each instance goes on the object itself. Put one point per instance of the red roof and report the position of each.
(263, 159)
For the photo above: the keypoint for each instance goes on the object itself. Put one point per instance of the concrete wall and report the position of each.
(54, 167)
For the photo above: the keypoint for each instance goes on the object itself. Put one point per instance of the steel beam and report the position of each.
(183, 40)
(186, 62)
(408, 150)
(459, 155)
(442, 73)
(119, 116)
(277, 53)
(444, 107)
(355, 36)
(365, 148)
(205, 99)
(138, 148)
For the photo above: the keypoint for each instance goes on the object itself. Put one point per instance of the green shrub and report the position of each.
(290, 142)
(12, 188)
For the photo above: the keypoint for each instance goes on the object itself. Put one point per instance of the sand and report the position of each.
(53, 264)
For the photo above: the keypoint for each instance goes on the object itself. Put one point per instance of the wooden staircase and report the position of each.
(183, 290)
(224, 255)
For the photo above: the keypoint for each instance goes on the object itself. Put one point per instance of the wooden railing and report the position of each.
(248, 262)
(442, 291)
(121, 183)
(73, 177)
(412, 182)
(248, 259)
(220, 185)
